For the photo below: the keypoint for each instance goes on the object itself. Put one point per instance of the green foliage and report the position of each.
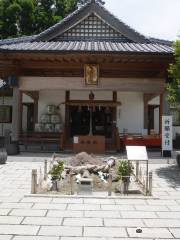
(173, 87)
(57, 170)
(28, 17)
(124, 170)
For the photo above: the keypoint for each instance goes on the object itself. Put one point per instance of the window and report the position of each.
(5, 114)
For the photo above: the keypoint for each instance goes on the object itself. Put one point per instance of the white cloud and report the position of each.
(155, 18)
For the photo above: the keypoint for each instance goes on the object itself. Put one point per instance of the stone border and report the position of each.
(90, 196)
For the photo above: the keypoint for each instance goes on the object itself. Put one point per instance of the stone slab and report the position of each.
(123, 223)
(92, 222)
(75, 214)
(118, 207)
(162, 222)
(104, 232)
(49, 206)
(102, 214)
(175, 232)
(61, 231)
(138, 214)
(83, 207)
(18, 229)
(42, 221)
(28, 213)
(34, 238)
(10, 220)
(150, 233)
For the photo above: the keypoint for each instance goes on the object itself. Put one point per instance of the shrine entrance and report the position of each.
(91, 125)
(88, 121)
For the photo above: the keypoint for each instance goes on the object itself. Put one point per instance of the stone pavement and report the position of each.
(86, 218)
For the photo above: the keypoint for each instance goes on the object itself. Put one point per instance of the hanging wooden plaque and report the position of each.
(91, 74)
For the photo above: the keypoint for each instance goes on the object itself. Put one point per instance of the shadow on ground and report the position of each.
(171, 174)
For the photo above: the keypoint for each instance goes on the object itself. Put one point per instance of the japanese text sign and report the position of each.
(167, 133)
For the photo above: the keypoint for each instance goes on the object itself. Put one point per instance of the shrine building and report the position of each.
(88, 83)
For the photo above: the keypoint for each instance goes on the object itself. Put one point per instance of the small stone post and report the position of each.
(150, 183)
(137, 171)
(71, 183)
(34, 182)
(110, 185)
(45, 170)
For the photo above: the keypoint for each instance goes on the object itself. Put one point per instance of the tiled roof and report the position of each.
(18, 40)
(88, 46)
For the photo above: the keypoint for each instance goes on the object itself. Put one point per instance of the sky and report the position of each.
(154, 18)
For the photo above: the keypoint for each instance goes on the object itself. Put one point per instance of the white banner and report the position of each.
(167, 133)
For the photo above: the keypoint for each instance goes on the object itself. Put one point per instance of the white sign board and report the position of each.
(76, 140)
(136, 153)
(167, 133)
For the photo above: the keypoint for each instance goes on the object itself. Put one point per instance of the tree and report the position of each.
(27, 17)
(173, 87)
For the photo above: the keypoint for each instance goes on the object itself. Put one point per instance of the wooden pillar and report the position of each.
(161, 111)
(16, 121)
(147, 98)
(66, 132)
(115, 140)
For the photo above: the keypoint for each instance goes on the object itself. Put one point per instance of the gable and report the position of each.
(91, 28)
(78, 25)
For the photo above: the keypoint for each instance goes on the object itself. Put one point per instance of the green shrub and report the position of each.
(124, 170)
(56, 171)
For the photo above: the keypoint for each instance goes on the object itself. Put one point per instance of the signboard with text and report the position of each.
(136, 153)
(167, 143)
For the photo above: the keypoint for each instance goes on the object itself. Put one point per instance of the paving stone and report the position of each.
(68, 200)
(130, 201)
(102, 214)
(152, 208)
(82, 238)
(28, 213)
(162, 222)
(123, 223)
(49, 206)
(175, 232)
(36, 200)
(4, 212)
(161, 202)
(34, 238)
(18, 229)
(75, 214)
(6, 237)
(42, 221)
(117, 207)
(174, 208)
(16, 205)
(104, 232)
(99, 201)
(137, 214)
(83, 207)
(61, 231)
(168, 215)
(150, 233)
(91, 222)
(10, 220)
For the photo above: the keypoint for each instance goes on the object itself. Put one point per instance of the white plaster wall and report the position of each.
(4, 126)
(130, 115)
(51, 97)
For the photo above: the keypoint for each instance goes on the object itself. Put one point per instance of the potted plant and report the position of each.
(56, 173)
(124, 171)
